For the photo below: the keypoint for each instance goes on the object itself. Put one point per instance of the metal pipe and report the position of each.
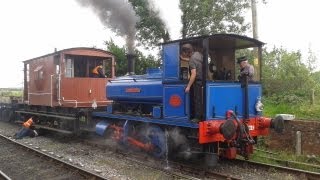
(96, 101)
(51, 89)
(71, 101)
(40, 93)
(59, 94)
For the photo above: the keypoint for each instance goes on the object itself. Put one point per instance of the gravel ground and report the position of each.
(96, 160)
(113, 166)
(15, 161)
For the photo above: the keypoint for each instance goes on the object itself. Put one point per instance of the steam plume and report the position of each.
(117, 15)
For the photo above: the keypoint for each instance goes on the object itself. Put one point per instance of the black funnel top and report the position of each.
(131, 63)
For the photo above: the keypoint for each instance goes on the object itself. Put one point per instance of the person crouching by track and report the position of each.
(26, 130)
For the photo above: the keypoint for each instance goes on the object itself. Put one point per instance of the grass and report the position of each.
(302, 111)
(287, 159)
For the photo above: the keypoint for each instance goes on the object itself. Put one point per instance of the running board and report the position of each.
(47, 115)
(53, 129)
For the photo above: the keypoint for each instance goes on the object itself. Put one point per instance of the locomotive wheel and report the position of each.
(155, 136)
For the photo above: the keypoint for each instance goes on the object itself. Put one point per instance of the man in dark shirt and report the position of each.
(195, 85)
(195, 65)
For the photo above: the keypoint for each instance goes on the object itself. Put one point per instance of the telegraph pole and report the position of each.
(254, 19)
(257, 66)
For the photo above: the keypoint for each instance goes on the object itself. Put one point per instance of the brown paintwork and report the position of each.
(55, 89)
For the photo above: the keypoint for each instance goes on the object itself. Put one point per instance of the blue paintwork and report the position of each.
(109, 109)
(170, 62)
(101, 127)
(170, 111)
(158, 86)
(150, 86)
(229, 96)
(183, 122)
(156, 112)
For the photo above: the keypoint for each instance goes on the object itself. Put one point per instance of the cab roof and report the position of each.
(223, 41)
(88, 51)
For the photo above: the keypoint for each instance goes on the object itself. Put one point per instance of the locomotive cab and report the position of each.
(220, 87)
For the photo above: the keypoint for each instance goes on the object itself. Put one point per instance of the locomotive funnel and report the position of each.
(131, 63)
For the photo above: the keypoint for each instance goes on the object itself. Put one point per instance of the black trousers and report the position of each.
(196, 97)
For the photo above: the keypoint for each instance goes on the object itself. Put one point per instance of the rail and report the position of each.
(310, 175)
(176, 170)
(4, 176)
(80, 171)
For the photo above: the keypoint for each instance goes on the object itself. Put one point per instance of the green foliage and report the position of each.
(151, 29)
(120, 54)
(285, 74)
(144, 62)
(10, 92)
(141, 63)
(301, 108)
(288, 83)
(311, 61)
(288, 159)
(200, 17)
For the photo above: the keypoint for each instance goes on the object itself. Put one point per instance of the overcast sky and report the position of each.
(35, 27)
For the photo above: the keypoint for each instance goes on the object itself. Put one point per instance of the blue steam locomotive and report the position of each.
(153, 112)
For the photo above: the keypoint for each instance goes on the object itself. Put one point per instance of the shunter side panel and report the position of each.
(41, 77)
(82, 92)
(47, 82)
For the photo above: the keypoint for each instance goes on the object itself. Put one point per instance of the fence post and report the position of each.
(312, 96)
(298, 143)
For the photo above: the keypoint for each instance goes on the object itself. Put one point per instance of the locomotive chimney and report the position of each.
(131, 63)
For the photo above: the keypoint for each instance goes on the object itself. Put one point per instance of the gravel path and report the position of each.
(112, 166)
(85, 156)
(21, 164)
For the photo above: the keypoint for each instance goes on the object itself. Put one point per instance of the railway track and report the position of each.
(22, 161)
(173, 169)
(191, 171)
(177, 170)
(303, 173)
(274, 157)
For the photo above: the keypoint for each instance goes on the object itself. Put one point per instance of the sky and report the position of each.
(36, 27)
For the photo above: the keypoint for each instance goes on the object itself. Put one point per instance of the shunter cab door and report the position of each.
(78, 87)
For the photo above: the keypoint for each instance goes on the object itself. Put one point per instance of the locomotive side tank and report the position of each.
(137, 88)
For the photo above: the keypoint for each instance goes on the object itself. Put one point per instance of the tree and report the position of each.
(141, 63)
(200, 17)
(311, 60)
(151, 30)
(285, 74)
